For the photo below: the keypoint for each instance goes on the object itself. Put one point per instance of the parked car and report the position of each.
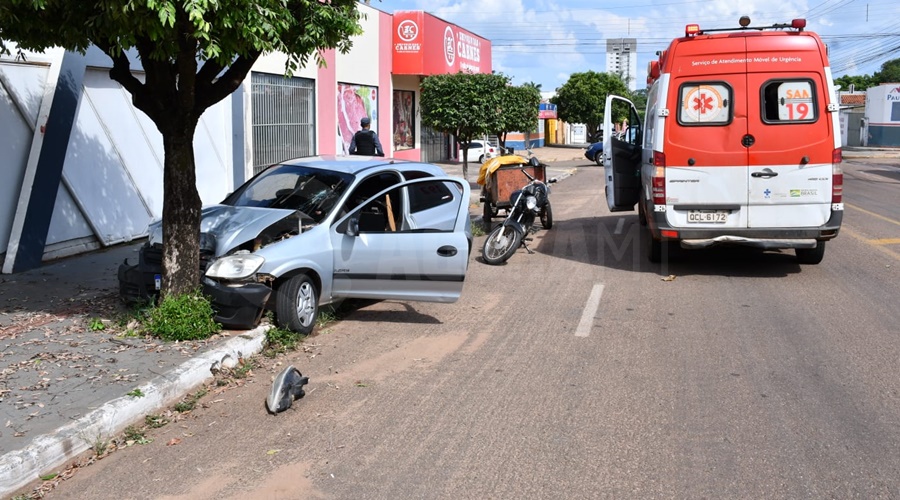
(480, 151)
(595, 153)
(312, 231)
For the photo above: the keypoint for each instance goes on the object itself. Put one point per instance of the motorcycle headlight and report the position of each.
(235, 266)
(530, 202)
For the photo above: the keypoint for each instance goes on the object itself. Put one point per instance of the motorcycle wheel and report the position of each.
(501, 244)
(547, 216)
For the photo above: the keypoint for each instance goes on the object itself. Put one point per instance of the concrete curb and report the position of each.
(20, 467)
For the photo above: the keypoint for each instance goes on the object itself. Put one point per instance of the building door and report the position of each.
(435, 146)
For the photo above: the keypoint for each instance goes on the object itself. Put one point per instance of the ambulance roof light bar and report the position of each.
(694, 29)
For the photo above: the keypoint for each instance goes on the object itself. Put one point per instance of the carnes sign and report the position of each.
(426, 45)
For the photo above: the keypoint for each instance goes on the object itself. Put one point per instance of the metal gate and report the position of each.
(435, 146)
(283, 119)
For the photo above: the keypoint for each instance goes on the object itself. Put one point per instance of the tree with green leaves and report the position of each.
(518, 111)
(639, 99)
(583, 97)
(193, 54)
(858, 82)
(467, 105)
(890, 72)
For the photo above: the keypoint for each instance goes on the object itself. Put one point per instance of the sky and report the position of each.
(544, 42)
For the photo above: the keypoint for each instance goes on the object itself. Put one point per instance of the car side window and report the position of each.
(426, 196)
(385, 213)
(368, 187)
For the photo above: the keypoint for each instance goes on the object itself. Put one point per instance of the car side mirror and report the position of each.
(353, 227)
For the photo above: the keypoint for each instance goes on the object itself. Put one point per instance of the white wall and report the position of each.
(113, 168)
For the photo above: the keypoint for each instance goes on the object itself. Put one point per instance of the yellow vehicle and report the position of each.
(501, 177)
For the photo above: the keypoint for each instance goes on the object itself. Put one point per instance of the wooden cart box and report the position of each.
(509, 178)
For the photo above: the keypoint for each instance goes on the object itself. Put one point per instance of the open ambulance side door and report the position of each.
(622, 152)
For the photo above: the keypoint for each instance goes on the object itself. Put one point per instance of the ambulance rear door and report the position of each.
(704, 151)
(791, 131)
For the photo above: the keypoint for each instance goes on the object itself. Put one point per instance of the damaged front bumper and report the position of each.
(238, 306)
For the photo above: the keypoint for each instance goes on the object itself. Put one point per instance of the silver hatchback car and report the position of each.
(312, 231)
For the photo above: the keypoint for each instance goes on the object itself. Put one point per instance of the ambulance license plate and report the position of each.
(708, 216)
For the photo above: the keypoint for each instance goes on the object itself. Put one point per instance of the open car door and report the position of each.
(408, 242)
(621, 153)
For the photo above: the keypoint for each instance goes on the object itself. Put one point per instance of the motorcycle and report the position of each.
(526, 205)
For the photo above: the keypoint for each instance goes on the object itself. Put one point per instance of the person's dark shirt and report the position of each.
(366, 143)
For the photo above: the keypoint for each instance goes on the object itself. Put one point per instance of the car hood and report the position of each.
(225, 227)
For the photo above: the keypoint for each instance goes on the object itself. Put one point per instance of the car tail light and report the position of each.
(658, 185)
(837, 177)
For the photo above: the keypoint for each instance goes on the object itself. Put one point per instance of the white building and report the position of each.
(621, 59)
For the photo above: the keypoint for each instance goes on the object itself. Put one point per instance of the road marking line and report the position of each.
(590, 310)
(881, 248)
(873, 214)
(885, 241)
(620, 225)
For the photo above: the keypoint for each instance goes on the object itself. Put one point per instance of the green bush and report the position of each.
(183, 317)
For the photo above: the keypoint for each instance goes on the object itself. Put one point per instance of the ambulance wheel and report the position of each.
(642, 215)
(811, 255)
(653, 248)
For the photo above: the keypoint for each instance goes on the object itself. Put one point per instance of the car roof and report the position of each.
(356, 165)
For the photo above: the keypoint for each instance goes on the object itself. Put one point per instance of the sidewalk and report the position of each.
(64, 374)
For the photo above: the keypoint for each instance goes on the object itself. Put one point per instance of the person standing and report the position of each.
(365, 142)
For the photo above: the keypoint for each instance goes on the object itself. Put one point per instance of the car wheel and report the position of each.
(501, 244)
(297, 304)
(811, 255)
(481, 159)
(547, 216)
(598, 158)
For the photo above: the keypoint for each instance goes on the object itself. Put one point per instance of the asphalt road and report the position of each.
(578, 372)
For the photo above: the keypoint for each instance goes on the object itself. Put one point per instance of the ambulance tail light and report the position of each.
(658, 179)
(691, 29)
(837, 177)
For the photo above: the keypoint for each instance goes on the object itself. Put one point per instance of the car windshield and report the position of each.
(310, 190)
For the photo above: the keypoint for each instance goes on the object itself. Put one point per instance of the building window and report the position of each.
(283, 118)
(404, 120)
(895, 111)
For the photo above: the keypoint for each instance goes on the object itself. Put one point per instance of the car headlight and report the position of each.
(530, 202)
(235, 266)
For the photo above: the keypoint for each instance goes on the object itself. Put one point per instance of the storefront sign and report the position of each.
(426, 45)
(547, 111)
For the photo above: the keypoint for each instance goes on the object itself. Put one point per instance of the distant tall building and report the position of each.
(621, 59)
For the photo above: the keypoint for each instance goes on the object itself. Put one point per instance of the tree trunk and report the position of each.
(181, 214)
